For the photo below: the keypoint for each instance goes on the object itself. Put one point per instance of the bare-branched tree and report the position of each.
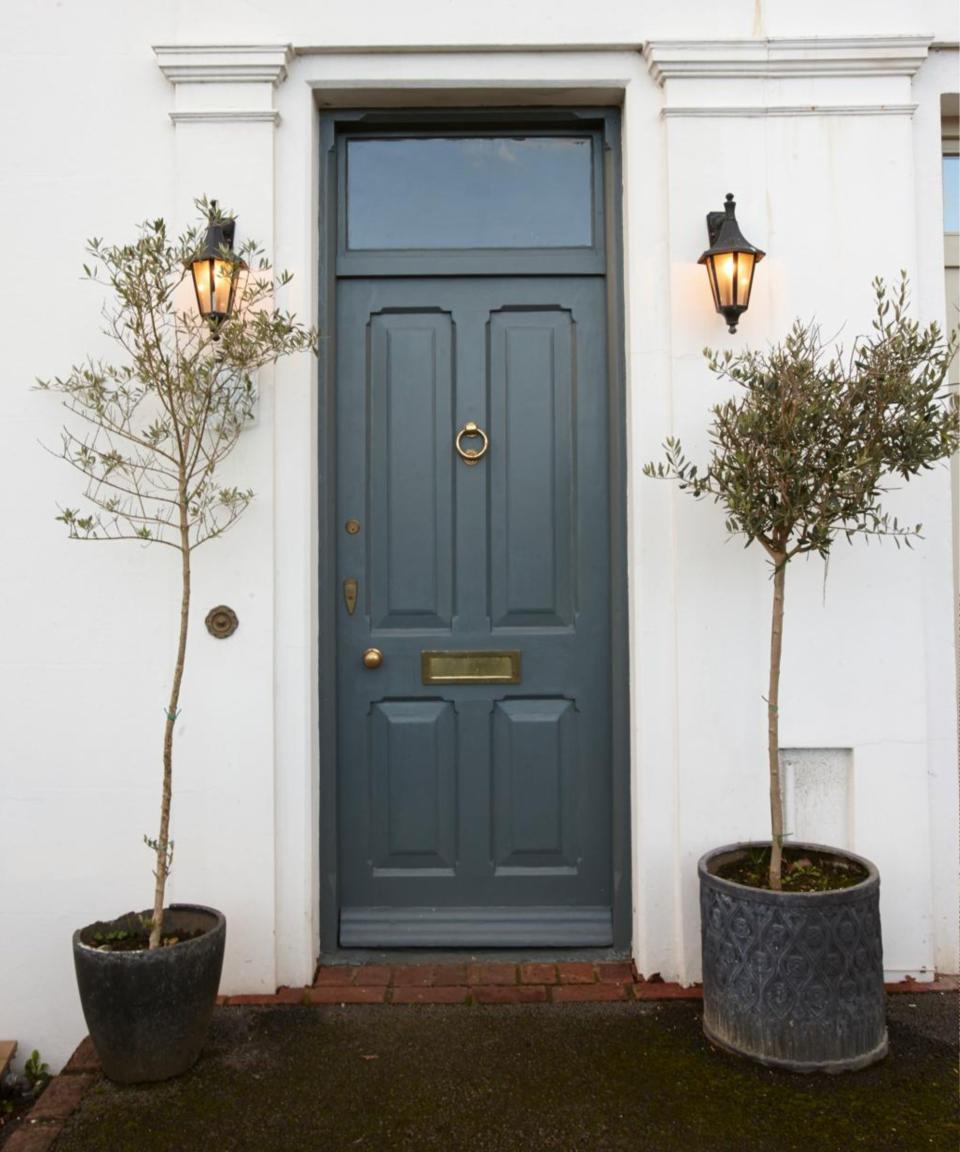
(153, 428)
(802, 455)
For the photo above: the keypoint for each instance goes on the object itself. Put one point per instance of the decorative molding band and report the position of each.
(224, 63)
(753, 59)
(794, 110)
(487, 49)
(227, 117)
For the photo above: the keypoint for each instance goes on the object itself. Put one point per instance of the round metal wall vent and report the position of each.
(221, 622)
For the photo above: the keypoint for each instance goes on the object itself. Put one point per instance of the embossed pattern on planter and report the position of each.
(793, 978)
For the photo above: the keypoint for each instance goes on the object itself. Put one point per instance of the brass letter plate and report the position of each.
(470, 667)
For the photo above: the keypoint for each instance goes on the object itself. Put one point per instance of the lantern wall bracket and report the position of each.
(714, 220)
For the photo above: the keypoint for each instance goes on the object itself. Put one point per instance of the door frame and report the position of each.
(608, 120)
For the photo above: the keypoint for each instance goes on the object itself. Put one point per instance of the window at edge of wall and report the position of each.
(951, 191)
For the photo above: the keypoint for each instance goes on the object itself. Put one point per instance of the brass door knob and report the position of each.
(372, 658)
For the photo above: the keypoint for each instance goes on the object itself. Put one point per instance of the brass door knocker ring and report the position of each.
(471, 455)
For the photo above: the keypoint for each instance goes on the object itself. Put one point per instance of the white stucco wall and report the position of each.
(838, 182)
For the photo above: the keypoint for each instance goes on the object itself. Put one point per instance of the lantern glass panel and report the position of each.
(215, 282)
(201, 282)
(731, 275)
(222, 286)
(744, 277)
(712, 274)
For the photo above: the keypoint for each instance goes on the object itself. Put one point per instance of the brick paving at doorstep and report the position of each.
(631, 1075)
(474, 982)
(517, 983)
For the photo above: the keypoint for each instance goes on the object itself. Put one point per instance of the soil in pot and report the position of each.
(804, 870)
(133, 936)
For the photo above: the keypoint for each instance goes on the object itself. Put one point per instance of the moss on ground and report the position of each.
(537, 1079)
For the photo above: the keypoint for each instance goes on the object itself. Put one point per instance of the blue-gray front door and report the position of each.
(474, 775)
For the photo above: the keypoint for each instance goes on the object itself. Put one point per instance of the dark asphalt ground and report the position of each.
(553, 1078)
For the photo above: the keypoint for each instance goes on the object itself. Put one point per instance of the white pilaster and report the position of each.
(815, 137)
(224, 119)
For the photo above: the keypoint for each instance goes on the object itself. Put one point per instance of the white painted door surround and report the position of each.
(801, 130)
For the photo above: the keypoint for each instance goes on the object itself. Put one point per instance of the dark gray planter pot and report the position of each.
(793, 979)
(149, 1012)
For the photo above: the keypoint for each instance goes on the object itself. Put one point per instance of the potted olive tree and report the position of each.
(792, 954)
(151, 433)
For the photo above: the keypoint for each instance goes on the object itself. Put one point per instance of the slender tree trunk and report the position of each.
(163, 840)
(773, 721)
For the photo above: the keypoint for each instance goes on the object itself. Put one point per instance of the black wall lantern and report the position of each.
(216, 270)
(730, 262)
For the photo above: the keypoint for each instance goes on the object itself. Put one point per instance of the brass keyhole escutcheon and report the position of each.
(471, 455)
(372, 658)
(352, 527)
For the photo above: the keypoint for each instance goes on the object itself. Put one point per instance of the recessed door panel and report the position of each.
(533, 477)
(410, 374)
(413, 770)
(535, 759)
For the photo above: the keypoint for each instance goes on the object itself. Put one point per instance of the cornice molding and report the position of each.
(780, 58)
(731, 112)
(224, 63)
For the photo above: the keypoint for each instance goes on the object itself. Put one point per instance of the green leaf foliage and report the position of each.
(153, 427)
(806, 449)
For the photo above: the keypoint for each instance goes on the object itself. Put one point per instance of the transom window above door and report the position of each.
(476, 192)
(447, 202)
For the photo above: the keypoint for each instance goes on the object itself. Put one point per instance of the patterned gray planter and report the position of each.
(793, 979)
